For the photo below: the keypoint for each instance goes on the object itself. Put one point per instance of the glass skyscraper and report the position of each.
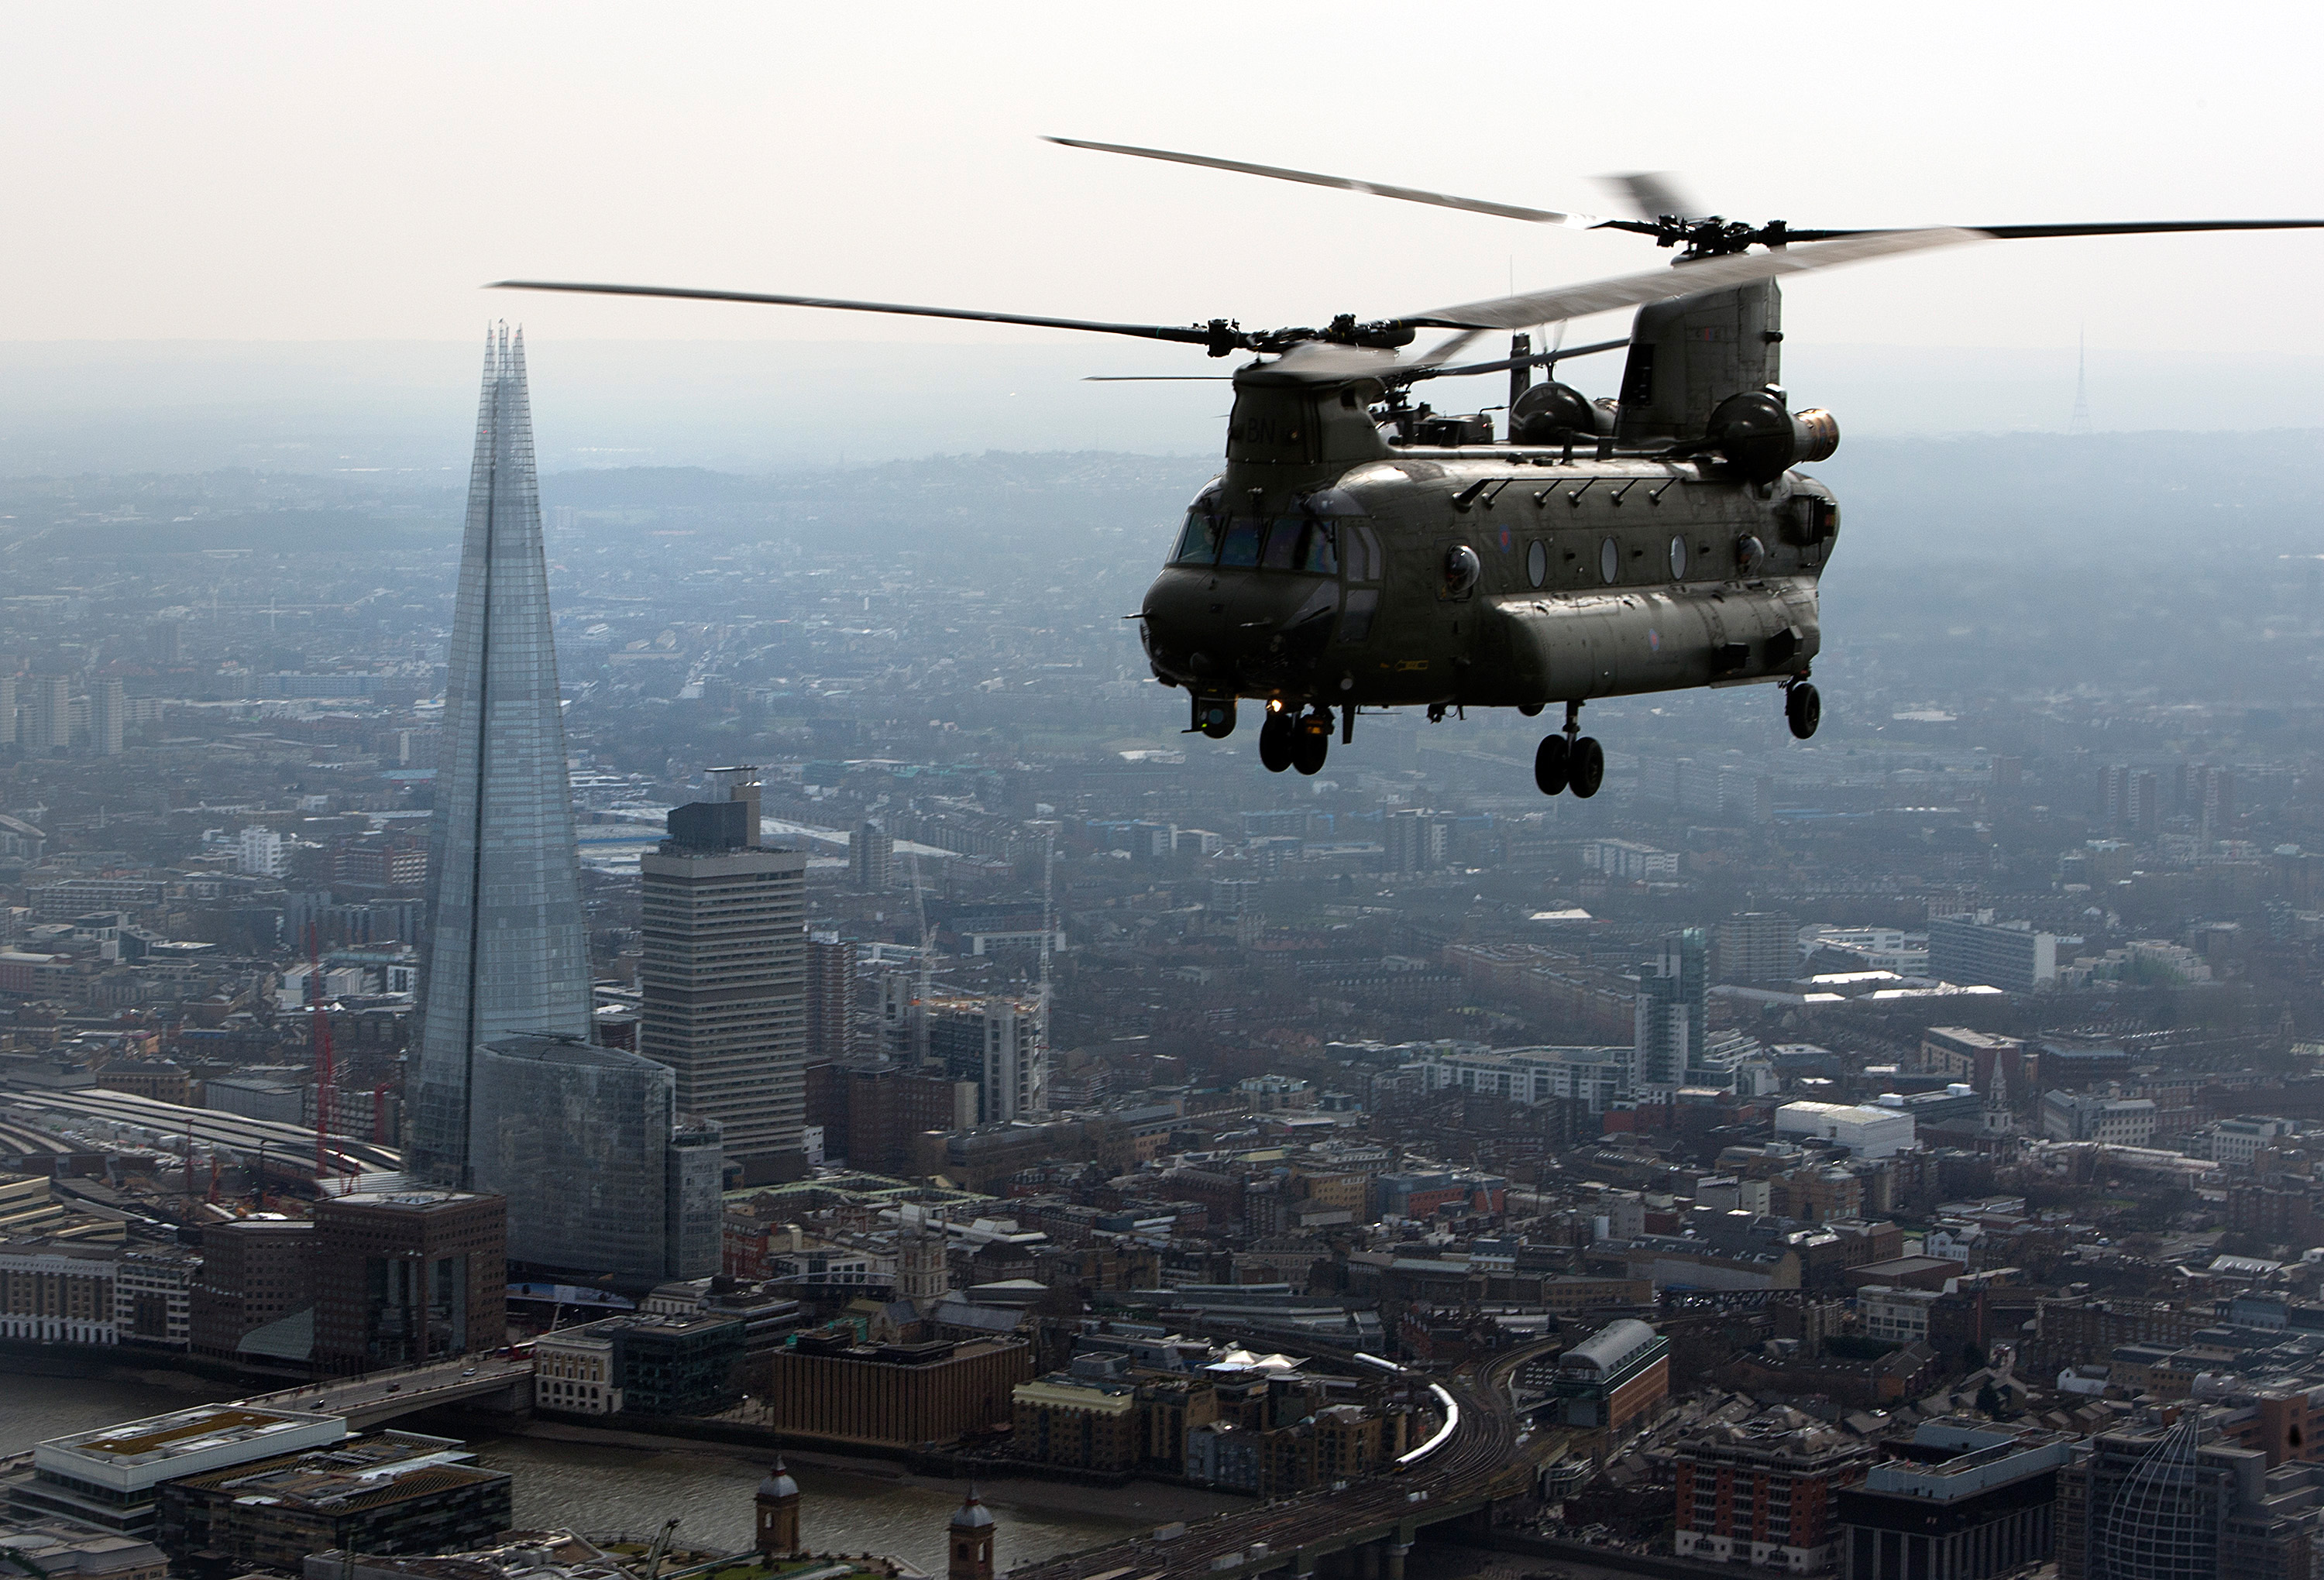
(508, 945)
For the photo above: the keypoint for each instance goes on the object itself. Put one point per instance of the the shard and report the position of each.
(508, 949)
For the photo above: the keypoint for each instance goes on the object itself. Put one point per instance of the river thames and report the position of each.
(845, 1505)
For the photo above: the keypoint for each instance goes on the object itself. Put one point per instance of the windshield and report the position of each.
(1288, 543)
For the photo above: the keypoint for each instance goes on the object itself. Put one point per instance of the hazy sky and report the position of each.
(354, 171)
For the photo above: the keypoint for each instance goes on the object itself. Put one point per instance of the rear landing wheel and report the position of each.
(1311, 743)
(1802, 709)
(1586, 767)
(1275, 742)
(1549, 765)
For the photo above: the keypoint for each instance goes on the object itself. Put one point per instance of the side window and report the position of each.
(1538, 562)
(1360, 554)
(1240, 544)
(1609, 562)
(1198, 545)
(1356, 613)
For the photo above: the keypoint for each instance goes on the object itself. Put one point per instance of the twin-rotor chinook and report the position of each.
(1360, 551)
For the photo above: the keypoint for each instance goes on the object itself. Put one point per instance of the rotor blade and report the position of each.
(1630, 291)
(2135, 228)
(1538, 359)
(1188, 335)
(1158, 378)
(1653, 193)
(1377, 188)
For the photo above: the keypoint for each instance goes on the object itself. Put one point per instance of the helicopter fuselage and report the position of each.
(1328, 567)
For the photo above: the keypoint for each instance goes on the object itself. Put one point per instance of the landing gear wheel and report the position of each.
(1275, 742)
(1802, 709)
(1586, 767)
(1311, 743)
(1550, 765)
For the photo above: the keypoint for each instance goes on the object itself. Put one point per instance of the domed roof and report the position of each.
(778, 1483)
(972, 1515)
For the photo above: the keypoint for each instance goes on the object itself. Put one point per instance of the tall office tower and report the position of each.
(507, 944)
(8, 736)
(165, 642)
(830, 997)
(47, 704)
(871, 856)
(722, 981)
(1673, 1016)
(1758, 946)
(108, 712)
(1416, 840)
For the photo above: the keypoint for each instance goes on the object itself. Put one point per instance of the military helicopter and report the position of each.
(1362, 551)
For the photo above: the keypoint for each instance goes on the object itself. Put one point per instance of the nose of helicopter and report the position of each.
(1228, 632)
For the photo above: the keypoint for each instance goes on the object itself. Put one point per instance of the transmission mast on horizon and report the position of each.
(2079, 423)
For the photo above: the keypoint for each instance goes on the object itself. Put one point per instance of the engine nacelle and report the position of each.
(1762, 441)
(1549, 413)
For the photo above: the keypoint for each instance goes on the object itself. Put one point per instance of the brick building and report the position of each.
(406, 1276)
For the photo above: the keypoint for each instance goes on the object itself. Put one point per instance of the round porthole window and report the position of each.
(1678, 558)
(1537, 562)
(1609, 562)
(1462, 569)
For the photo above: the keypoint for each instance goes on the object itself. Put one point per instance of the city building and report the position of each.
(662, 1364)
(1595, 1078)
(1091, 1423)
(256, 1272)
(1866, 1131)
(60, 1291)
(894, 1395)
(1763, 1492)
(573, 1373)
(722, 981)
(261, 851)
(111, 1477)
(2103, 1116)
(108, 712)
(1673, 1016)
(1972, 949)
(2135, 1504)
(1758, 946)
(393, 1492)
(830, 998)
(1895, 1316)
(999, 1044)
(46, 721)
(508, 949)
(601, 1177)
(871, 856)
(403, 1277)
(1613, 1379)
(969, 1541)
(1965, 1499)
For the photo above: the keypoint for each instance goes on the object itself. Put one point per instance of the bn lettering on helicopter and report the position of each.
(1360, 551)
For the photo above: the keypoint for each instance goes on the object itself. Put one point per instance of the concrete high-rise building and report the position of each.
(507, 943)
(1758, 946)
(1416, 840)
(7, 710)
(47, 718)
(262, 851)
(109, 716)
(830, 998)
(2146, 1506)
(1001, 1044)
(1673, 1015)
(871, 857)
(1972, 949)
(723, 980)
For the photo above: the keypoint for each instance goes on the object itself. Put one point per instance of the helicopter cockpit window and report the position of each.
(1294, 544)
(1360, 554)
(1240, 544)
(1198, 545)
